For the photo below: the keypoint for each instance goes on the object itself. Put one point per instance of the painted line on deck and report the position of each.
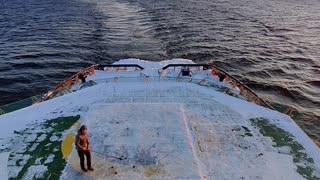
(3, 165)
(189, 137)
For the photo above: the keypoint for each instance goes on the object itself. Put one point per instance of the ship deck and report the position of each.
(160, 130)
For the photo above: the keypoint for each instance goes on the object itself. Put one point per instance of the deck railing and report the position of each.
(65, 86)
(245, 91)
(19, 104)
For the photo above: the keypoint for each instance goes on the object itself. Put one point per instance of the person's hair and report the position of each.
(82, 128)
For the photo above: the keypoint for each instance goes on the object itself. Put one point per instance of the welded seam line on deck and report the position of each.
(195, 157)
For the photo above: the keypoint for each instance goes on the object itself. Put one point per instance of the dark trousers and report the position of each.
(81, 155)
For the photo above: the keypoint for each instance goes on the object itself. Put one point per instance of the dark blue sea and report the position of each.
(273, 46)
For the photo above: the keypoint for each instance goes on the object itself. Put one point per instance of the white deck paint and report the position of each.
(3, 165)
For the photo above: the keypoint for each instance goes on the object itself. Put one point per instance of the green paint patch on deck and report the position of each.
(282, 138)
(35, 151)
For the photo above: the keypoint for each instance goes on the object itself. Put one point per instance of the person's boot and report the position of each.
(84, 169)
(90, 168)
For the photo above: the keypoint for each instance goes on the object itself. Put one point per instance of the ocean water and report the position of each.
(272, 46)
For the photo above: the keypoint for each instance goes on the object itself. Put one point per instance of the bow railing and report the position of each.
(65, 87)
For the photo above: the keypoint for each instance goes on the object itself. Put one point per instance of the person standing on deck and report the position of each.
(82, 77)
(82, 145)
